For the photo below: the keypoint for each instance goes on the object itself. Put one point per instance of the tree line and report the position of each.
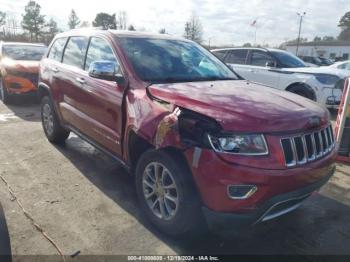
(35, 27)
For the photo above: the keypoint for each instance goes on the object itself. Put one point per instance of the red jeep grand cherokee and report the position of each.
(204, 144)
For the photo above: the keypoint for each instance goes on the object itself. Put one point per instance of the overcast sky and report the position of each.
(224, 21)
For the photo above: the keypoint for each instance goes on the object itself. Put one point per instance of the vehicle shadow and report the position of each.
(320, 226)
(24, 107)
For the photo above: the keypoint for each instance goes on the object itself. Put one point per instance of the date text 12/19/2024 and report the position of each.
(173, 258)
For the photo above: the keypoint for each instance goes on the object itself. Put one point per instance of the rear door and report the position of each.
(51, 67)
(69, 81)
(260, 71)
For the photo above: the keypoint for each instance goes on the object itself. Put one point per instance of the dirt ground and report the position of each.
(86, 202)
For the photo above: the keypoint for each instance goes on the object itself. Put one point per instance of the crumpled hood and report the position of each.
(20, 65)
(240, 105)
(318, 70)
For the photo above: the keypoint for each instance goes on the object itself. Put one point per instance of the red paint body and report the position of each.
(107, 113)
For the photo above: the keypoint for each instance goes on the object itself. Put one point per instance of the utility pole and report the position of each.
(301, 15)
(209, 42)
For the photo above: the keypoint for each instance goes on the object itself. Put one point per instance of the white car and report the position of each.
(282, 70)
(345, 65)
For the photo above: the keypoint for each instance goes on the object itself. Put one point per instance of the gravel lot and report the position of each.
(86, 202)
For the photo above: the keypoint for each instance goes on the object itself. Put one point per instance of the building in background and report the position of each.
(338, 50)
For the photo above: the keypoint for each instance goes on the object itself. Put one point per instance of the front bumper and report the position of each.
(272, 208)
(20, 85)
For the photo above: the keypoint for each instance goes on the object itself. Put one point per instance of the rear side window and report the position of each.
(220, 54)
(75, 51)
(56, 50)
(238, 56)
(260, 58)
(99, 50)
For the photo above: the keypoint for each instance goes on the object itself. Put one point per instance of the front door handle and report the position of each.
(80, 80)
(54, 69)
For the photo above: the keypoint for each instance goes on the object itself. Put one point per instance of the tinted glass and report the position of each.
(237, 56)
(220, 54)
(74, 53)
(168, 60)
(56, 50)
(288, 60)
(24, 52)
(99, 50)
(260, 58)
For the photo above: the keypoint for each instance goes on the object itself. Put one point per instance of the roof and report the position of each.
(125, 33)
(323, 43)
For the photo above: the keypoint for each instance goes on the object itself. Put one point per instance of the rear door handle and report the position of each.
(80, 80)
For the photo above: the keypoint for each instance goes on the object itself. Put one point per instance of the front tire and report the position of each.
(5, 96)
(167, 195)
(54, 132)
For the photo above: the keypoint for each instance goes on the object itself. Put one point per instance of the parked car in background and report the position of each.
(283, 70)
(19, 66)
(206, 147)
(326, 61)
(345, 65)
(312, 60)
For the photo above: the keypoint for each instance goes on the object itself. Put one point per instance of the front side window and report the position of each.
(238, 56)
(260, 58)
(287, 60)
(99, 50)
(75, 51)
(56, 50)
(23, 52)
(169, 60)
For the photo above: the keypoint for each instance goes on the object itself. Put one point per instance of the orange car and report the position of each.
(19, 66)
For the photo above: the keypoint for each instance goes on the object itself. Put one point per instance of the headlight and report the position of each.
(327, 79)
(239, 144)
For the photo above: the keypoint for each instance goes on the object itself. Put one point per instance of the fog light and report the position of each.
(330, 100)
(241, 191)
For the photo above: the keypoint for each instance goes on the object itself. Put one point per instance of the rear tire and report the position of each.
(54, 132)
(303, 90)
(5, 96)
(180, 214)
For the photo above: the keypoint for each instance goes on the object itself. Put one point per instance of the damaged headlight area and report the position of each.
(198, 130)
(241, 144)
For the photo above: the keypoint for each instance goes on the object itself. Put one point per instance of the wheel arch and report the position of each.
(303, 85)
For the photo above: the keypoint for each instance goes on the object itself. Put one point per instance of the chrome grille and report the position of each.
(299, 150)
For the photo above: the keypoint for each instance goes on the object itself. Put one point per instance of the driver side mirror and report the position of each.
(270, 64)
(106, 70)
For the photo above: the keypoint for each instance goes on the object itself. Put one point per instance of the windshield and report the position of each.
(288, 60)
(23, 52)
(168, 60)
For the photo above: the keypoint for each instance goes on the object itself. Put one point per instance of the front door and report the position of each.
(263, 68)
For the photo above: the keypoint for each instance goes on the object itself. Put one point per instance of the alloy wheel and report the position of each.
(160, 191)
(48, 119)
